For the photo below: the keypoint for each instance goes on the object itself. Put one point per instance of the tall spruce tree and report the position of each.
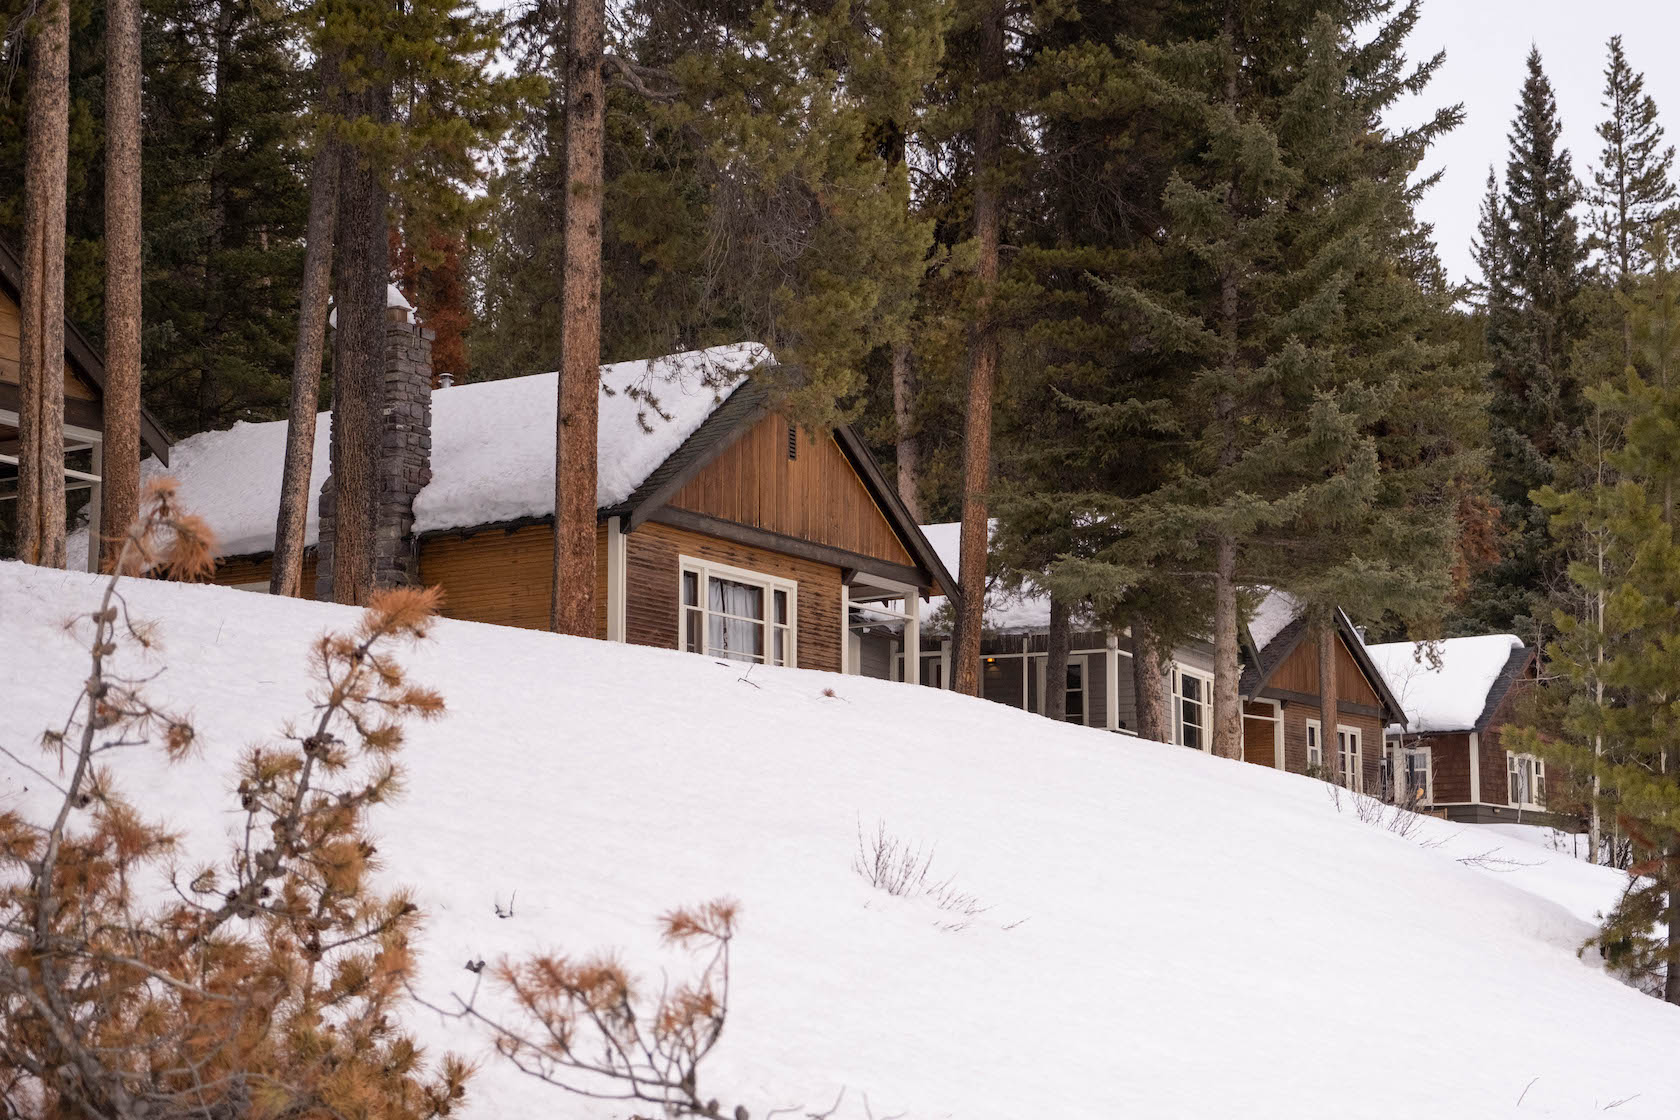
(1532, 260)
(1631, 187)
(1630, 652)
(1318, 424)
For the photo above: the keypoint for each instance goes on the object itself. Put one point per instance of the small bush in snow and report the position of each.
(905, 870)
(267, 984)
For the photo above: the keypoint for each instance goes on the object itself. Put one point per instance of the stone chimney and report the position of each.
(405, 455)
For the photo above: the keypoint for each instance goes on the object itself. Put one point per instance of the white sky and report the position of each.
(1486, 42)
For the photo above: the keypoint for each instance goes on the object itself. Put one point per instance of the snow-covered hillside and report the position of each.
(1170, 935)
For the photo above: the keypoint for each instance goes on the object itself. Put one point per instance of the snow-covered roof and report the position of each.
(1276, 610)
(492, 448)
(1007, 612)
(1450, 697)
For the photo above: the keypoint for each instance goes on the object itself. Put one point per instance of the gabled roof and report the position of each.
(746, 406)
(1264, 660)
(1461, 692)
(81, 355)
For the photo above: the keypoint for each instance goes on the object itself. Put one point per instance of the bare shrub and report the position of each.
(272, 986)
(904, 870)
(587, 1028)
(1368, 809)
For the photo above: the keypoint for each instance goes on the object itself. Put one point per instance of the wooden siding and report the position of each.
(1295, 717)
(503, 576)
(1299, 673)
(1449, 766)
(231, 573)
(11, 348)
(653, 580)
(1259, 736)
(815, 497)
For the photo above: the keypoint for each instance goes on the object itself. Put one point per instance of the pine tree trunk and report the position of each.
(359, 359)
(1227, 717)
(286, 571)
(580, 326)
(120, 485)
(1595, 826)
(1327, 704)
(1056, 660)
(41, 507)
(982, 362)
(1149, 685)
(904, 419)
(1671, 981)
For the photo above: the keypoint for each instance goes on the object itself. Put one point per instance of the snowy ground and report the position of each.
(1171, 935)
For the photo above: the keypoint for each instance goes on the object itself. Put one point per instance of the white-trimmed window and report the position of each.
(1315, 747)
(1527, 778)
(1350, 757)
(738, 614)
(1192, 705)
(1414, 776)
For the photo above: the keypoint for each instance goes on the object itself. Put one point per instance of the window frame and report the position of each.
(1536, 784)
(1204, 703)
(1315, 743)
(703, 571)
(1356, 742)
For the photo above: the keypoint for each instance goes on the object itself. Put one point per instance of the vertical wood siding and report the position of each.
(1449, 766)
(1299, 673)
(653, 589)
(1259, 745)
(816, 496)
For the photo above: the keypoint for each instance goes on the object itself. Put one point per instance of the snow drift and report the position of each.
(1169, 934)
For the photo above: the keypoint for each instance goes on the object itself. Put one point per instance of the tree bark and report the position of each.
(576, 417)
(41, 506)
(120, 488)
(1056, 660)
(1227, 718)
(359, 358)
(982, 363)
(904, 420)
(1327, 703)
(286, 571)
(1149, 685)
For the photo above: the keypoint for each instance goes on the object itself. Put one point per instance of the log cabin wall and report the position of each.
(653, 587)
(503, 576)
(795, 485)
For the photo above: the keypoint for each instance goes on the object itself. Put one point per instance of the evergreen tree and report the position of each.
(1614, 717)
(1318, 421)
(1532, 260)
(1631, 185)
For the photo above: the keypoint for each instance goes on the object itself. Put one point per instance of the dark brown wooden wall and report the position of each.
(814, 497)
(1449, 767)
(654, 585)
(1259, 743)
(503, 577)
(1299, 673)
(1295, 717)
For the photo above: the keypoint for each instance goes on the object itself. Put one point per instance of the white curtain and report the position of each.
(742, 635)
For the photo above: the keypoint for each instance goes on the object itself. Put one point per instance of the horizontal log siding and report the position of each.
(816, 496)
(503, 577)
(654, 587)
(11, 347)
(231, 573)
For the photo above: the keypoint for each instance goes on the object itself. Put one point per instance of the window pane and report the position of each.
(741, 600)
(781, 608)
(691, 631)
(735, 638)
(691, 589)
(779, 652)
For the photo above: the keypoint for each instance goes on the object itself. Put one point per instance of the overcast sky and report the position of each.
(1486, 42)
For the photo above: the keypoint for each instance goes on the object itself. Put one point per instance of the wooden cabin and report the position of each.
(84, 393)
(1448, 753)
(1282, 697)
(722, 528)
